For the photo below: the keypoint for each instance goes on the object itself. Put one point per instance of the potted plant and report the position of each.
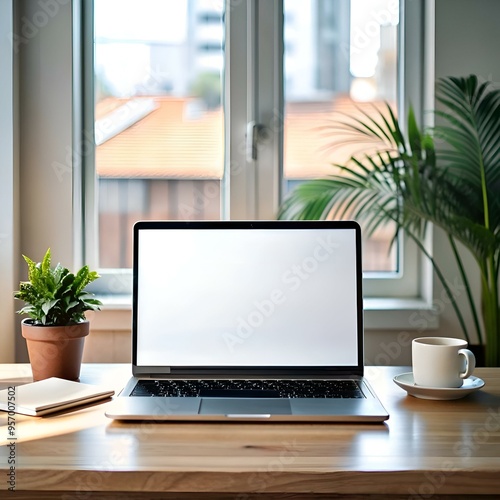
(410, 181)
(56, 302)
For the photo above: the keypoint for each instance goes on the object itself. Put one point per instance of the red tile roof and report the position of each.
(171, 140)
(165, 143)
(309, 137)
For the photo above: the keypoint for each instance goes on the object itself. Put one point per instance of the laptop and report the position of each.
(247, 321)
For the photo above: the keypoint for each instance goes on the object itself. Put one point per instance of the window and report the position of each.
(207, 110)
(158, 117)
(340, 58)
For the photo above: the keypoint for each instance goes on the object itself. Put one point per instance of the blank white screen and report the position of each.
(249, 297)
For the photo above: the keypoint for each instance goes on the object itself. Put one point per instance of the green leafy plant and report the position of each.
(55, 296)
(411, 182)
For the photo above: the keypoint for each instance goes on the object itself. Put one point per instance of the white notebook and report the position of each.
(50, 395)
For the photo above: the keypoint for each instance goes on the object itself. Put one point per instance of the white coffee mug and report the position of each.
(441, 362)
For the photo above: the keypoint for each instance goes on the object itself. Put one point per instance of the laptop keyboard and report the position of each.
(249, 388)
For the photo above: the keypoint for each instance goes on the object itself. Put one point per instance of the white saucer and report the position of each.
(406, 382)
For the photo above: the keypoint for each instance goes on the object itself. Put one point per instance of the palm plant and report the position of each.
(409, 181)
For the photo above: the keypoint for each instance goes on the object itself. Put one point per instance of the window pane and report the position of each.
(340, 56)
(159, 121)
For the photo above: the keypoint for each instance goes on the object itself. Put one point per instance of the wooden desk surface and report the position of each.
(426, 448)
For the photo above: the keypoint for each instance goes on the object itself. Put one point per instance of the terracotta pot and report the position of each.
(55, 351)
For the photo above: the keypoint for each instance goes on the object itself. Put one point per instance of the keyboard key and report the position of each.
(244, 388)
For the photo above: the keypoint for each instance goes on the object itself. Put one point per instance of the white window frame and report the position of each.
(257, 183)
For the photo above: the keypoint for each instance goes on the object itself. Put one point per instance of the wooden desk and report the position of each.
(427, 448)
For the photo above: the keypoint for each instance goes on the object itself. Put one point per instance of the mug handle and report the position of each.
(470, 362)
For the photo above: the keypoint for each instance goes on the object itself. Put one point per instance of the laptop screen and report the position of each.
(247, 294)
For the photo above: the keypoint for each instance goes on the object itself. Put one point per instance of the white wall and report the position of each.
(467, 42)
(8, 186)
(468, 38)
(45, 140)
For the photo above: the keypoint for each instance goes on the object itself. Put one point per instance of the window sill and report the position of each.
(401, 314)
(380, 314)
(115, 313)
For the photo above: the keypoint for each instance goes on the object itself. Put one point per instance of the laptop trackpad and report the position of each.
(235, 407)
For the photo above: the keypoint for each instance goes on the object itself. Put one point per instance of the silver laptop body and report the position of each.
(247, 303)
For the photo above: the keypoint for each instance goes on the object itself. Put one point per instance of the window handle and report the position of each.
(256, 133)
